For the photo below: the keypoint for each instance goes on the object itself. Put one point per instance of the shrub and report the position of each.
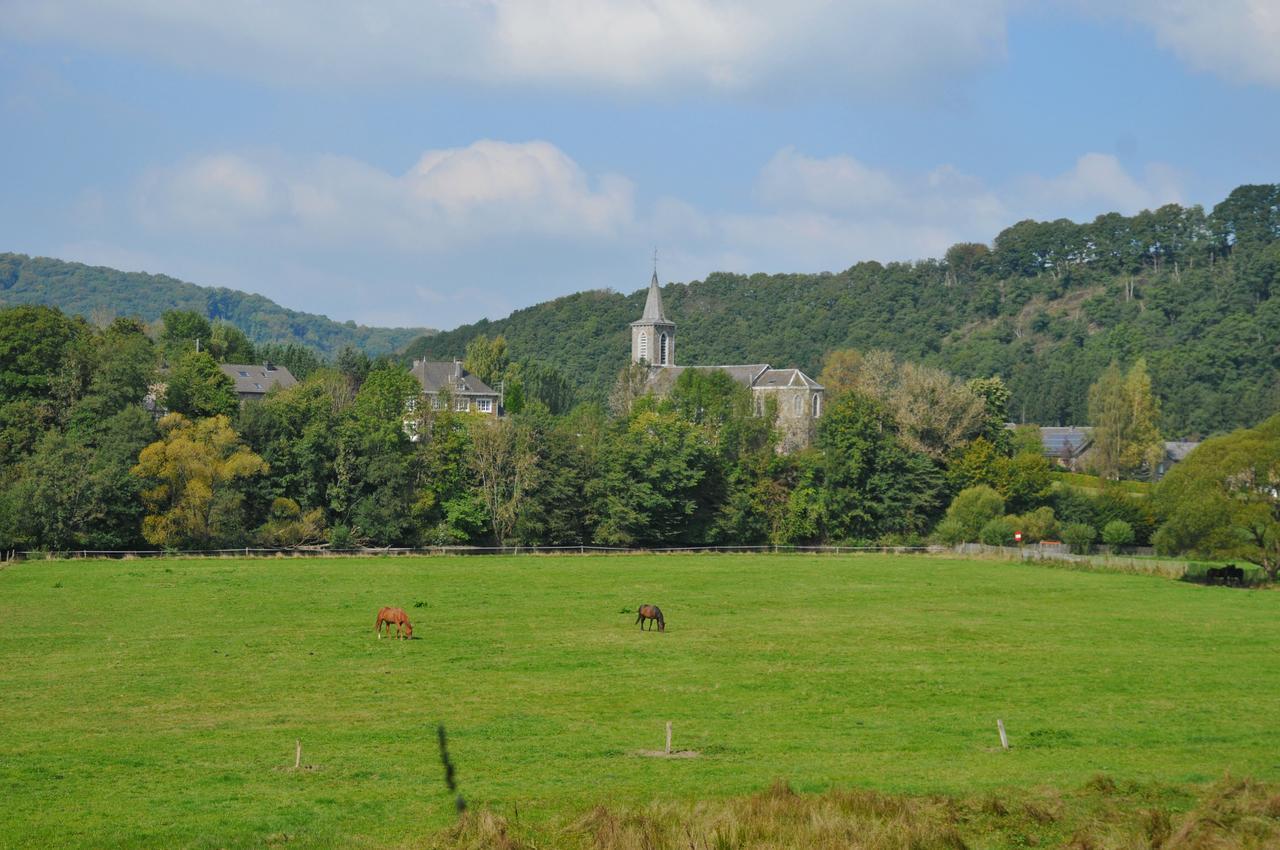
(1079, 536)
(974, 507)
(1037, 525)
(1117, 534)
(949, 532)
(340, 537)
(997, 532)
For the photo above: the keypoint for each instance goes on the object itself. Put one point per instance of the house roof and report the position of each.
(1177, 450)
(435, 375)
(1065, 442)
(257, 379)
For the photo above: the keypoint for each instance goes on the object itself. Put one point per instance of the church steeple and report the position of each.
(653, 303)
(653, 337)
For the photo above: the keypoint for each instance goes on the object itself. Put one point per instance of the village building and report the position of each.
(442, 379)
(255, 381)
(1071, 448)
(798, 398)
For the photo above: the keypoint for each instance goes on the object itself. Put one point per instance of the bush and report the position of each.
(974, 507)
(949, 532)
(1037, 525)
(340, 538)
(997, 532)
(1079, 536)
(1117, 534)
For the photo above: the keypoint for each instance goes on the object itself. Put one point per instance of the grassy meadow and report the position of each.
(156, 703)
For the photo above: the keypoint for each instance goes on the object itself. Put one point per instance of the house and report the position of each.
(442, 379)
(799, 398)
(1070, 447)
(255, 381)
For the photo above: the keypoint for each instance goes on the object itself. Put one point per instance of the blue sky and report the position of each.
(429, 163)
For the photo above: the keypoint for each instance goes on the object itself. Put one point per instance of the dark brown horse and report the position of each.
(650, 612)
(394, 617)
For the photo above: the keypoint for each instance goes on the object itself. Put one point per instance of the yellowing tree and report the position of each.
(193, 468)
(1123, 411)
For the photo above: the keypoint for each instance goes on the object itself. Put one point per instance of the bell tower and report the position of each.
(653, 337)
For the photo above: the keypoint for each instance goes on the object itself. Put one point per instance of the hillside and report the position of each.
(90, 290)
(1047, 306)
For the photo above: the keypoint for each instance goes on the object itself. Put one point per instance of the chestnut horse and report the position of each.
(650, 612)
(394, 617)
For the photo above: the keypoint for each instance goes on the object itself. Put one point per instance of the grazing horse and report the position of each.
(650, 612)
(394, 617)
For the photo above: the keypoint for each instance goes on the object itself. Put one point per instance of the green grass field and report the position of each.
(156, 703)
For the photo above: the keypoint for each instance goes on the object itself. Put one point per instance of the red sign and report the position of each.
(1017, 537)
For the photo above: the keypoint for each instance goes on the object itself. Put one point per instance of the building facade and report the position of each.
(798, 398)
(441, 379)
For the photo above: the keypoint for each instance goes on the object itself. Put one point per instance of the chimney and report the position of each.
(457, 369)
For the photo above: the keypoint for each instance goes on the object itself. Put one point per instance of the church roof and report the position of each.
(653, 312)
(750, 375)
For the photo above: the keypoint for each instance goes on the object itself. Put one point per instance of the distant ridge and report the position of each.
(98, 290)
(1046, 306)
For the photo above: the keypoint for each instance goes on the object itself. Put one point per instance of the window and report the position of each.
(817, 405)
(662, 350)
(644, 346)
(257, 386)
(244, 374)
(799, 405)
(436, 404)
(462, 404)
(484, 405)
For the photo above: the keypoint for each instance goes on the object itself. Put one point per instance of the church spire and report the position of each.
(653, 311)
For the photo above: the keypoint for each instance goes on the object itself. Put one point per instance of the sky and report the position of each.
(428, 163)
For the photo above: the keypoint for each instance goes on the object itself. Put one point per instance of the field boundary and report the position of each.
(318, 552)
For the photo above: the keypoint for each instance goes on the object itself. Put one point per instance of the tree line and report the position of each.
(1046, 307)
(354, 456)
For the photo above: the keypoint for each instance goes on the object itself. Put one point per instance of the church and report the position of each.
(799, 398)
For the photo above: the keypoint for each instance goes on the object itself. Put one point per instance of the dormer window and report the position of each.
(244, 374)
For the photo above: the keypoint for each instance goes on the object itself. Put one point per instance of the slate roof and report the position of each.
(1065, 442)
(750, 375)
(1177, 450)
(257, 379)
(653, 311)
(434, 375)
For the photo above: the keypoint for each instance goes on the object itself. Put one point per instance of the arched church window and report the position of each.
(644, 346)
(662, 350)
(817, 405)
(799, 405)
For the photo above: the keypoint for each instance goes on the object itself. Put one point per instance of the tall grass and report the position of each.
(1229, 815)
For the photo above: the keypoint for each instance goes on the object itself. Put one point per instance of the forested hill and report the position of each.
(1046, 306)
(90, 290)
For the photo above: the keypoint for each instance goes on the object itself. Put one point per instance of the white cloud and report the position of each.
(1099, 182)
(479, 230)
(449, 197)
(1235, 39)
(735, 45)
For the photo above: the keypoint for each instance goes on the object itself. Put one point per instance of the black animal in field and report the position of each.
(1228, 576)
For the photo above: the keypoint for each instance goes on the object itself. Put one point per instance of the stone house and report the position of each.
(441, 378)
(799, 398)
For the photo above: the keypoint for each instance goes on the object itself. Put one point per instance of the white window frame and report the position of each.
(462, 405)
(484, 405)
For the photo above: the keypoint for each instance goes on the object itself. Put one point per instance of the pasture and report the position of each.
(156, 703)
